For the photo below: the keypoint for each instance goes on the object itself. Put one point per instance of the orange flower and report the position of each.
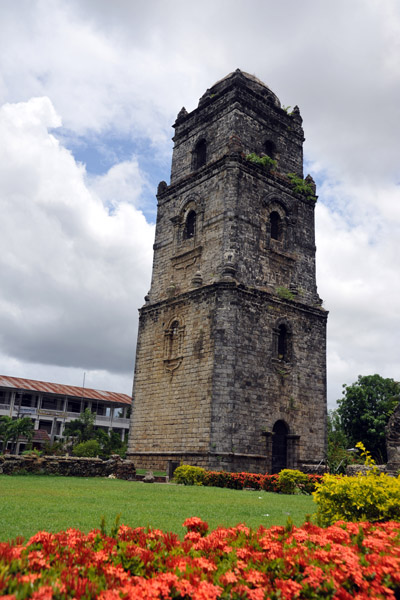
(290, 589)
(196, 524)
(228, 578)
(43, 593)
(207, 591)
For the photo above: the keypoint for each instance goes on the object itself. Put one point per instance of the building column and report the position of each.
(12, 402)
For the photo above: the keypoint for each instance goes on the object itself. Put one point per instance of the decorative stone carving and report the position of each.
(173, 346)
(296, 115)
(171, 289)
(311, 182)
(162, 187)
(182, 113)
(186, 259)
(197, 279)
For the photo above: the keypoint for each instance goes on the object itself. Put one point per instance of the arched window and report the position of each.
(275, 225)
(282, 342)
(200, 154)
(190, 225)
(270, 148)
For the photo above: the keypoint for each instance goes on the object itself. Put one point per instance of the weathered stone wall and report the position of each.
(210, 383)
(228, 386)
(173, 373)
(353, 470)
(68, 466)
(253, 388)
(176, 259)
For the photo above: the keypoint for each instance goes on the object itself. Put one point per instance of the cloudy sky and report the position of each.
(89, 90)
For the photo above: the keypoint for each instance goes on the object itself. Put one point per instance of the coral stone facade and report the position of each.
(231, 355)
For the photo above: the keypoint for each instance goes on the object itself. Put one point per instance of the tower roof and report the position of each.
(250, 80)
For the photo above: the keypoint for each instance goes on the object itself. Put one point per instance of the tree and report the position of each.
(83, 427)
(337, 455)
(5, 431)
(83, 430)
(365, 409)
(110, 443)
(12, 429)
(90, 449)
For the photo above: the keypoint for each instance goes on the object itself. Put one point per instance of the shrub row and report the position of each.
(288, 481)
(370, 496)
(344, 561)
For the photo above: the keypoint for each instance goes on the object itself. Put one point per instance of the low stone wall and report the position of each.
(352, 470)
(313, 469)
(68, 466)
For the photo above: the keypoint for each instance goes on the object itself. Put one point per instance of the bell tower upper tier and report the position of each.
(237, 207)
(238, 109)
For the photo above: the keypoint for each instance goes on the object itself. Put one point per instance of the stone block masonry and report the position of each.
(231, 356)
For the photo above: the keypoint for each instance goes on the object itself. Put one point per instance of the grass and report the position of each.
(155, 473)
(32, 503)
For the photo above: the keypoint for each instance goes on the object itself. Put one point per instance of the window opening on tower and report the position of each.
(190, 225)
(276, 226)
(282, 342)
(200, 154)
(269, 148)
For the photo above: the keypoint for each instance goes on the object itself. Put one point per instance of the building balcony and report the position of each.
(32, 411)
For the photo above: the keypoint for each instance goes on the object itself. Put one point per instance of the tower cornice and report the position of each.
(230, 160)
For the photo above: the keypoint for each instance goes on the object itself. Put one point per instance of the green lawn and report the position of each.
(31, 503)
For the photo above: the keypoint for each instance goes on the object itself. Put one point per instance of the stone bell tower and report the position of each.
(231, 354)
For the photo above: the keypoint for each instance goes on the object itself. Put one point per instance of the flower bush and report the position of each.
(343, 561)
(290, 482)
(235, 481)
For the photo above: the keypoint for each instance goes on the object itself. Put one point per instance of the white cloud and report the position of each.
(73, 273)
(358, 278)
(124, 182)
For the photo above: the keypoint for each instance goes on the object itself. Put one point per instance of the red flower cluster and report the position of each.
(239, 481)
(344, 561)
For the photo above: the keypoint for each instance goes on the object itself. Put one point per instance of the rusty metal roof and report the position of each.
(62, 390)
(40, 435)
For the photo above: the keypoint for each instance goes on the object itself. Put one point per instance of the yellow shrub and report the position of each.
(189, 475)
(371, 497)
(292, 481)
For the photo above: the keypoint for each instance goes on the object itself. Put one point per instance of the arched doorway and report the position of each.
(279, 446)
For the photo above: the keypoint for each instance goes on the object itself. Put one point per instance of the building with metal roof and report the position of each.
(52, 405)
